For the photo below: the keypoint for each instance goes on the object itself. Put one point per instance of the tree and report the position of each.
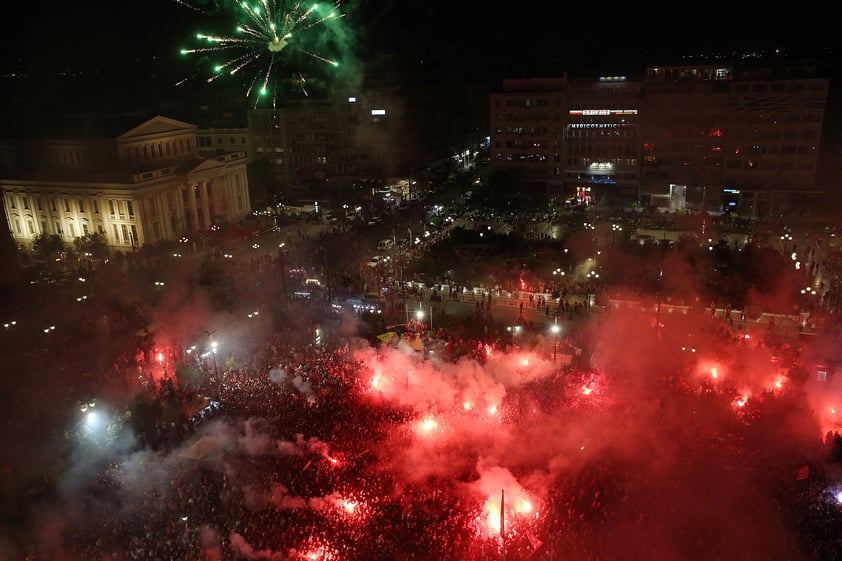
(49, 247)
(92, 246)
(502, 192)
(188, 376)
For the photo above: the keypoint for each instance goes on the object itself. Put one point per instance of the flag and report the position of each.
(803, 473)
(387, 337)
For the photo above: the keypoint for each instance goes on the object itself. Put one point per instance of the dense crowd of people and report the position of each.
(296, 463)
(435, 445)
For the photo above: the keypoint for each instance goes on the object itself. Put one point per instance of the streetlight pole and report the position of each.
(555, 329)
(213, 345)
(513, 329)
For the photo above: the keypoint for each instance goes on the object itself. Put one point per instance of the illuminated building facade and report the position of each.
(602, 141)
(742, 136)
(138, 187)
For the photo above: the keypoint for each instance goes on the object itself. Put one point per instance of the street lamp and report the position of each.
(514, 330)
(213, 346)
(213, 354)
(556, 329)
(614, 229)
(419, 315)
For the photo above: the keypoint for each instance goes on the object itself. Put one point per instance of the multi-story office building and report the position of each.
(382, 132)
(218, 140)
(775, 120)
(602, 137)
(685, 116)
(743, 136)
(135, 184)
(528, 125)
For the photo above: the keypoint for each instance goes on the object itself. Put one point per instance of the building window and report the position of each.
(71, 227)
(11, 200)
(131, 209)
(38, 203)
(66, 205)
(95, 204)
(31, 226)
(81, 206)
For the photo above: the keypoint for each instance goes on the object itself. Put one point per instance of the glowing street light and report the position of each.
(514, 330)
(85, 405)
(213, 345)
(419, 315)
(555, 329)
(213, 354)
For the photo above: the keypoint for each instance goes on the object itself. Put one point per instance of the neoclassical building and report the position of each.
(134, 185)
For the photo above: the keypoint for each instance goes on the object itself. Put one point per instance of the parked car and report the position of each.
(366, 304)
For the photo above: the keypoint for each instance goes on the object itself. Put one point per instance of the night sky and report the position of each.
(134, 46)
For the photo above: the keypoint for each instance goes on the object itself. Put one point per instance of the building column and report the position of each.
(206, 217)
(194, 208)
(226, 197)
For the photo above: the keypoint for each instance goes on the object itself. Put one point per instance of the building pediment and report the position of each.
(157, 126)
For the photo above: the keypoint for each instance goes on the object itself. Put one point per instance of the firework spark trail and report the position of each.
(263, 33)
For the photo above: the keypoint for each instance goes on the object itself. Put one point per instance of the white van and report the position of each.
(383, 245)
